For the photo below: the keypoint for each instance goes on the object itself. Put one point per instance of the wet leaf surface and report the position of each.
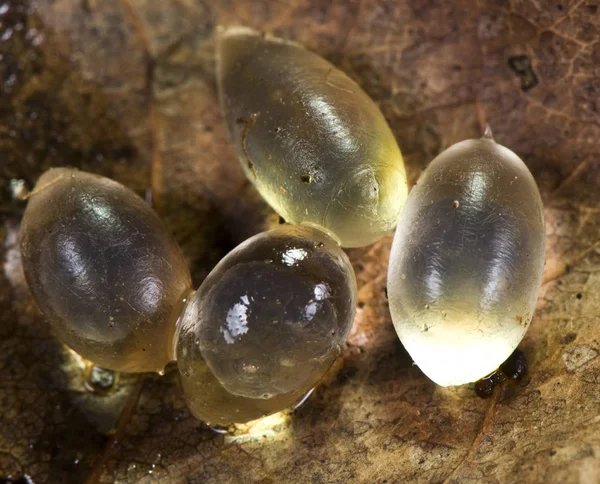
(126, 89)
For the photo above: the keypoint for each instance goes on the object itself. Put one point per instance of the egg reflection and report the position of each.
(265, 325)
(466, 262)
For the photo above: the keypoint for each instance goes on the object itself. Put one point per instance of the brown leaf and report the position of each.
(126, 89)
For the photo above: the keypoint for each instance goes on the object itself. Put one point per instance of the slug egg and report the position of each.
(103, 268)
(466, 262)
(265, 325)
(314, 144)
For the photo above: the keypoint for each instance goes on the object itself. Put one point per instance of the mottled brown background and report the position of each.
(126, 89)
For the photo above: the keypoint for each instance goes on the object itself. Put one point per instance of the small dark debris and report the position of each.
(347, 373)
(281, 220)
(306, 179)
(568, 338)
(552, 453)
(521, 66)
(484, 388)
(515, 366)
(579, 295)
(361, 304)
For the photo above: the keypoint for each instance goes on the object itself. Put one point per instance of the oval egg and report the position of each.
(103, 268)
(314, 144)
(466, 262)
(265, 325)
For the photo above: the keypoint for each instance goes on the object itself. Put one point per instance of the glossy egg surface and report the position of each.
(265, 325)
(314, 144)
(466, 262)
(103, 269)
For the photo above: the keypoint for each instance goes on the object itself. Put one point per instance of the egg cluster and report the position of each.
(273, 315)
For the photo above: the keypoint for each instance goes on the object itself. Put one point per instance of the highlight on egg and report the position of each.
(314, 144)
(466, 261)
(103, 269)
(265, 325)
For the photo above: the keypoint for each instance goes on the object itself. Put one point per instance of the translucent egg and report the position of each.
(466, 262)
(265, 325)
(103, 269)
(314, 144)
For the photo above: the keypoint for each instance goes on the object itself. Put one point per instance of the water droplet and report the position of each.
(37, 40)
(6, 35)
(100, 380)
(11, 81)
(31, 33)
(18, 189)
(487, 134)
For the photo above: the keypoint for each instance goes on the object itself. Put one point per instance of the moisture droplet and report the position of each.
(6, 35)
(18, 189)
(100, 380)
(487, 134)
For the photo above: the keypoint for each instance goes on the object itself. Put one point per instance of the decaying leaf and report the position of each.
(126, 89)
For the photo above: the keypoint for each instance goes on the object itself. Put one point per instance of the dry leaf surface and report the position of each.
(126, 89)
